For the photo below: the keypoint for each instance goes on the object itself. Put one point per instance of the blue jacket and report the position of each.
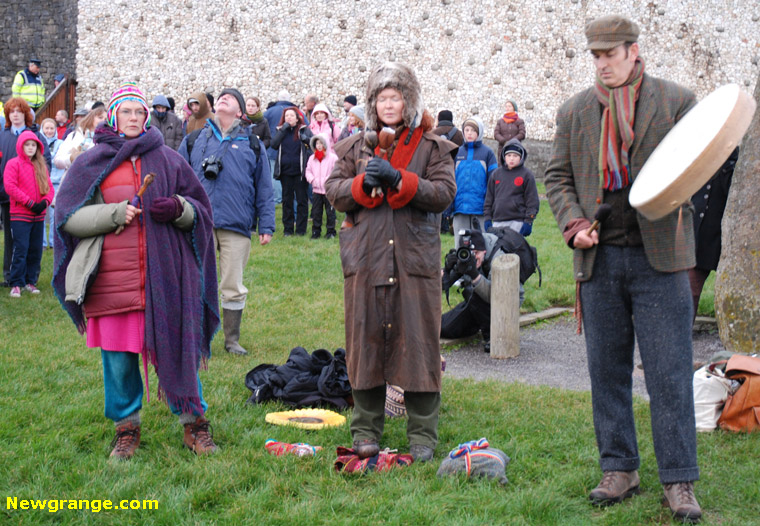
(241, 196)
(474, 163)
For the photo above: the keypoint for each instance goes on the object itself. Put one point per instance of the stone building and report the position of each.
(470, 56)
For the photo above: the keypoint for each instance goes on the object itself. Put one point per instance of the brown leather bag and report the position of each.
(742, 409)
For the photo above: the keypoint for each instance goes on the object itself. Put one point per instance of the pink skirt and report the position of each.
(123, 332)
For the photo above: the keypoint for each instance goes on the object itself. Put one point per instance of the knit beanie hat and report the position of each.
(351, 99)
(472, 123)
(445, 115)
(358, 111)
(512, 148)
(514, 104)
(127, 91)
(238, 96)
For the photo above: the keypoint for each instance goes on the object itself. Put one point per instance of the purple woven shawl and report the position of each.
(182, 309)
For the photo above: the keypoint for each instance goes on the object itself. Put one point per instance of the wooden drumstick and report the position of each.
(385, 140)
(136, 199)
(602, 213)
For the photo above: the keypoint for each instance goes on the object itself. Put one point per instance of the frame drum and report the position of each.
(691, 152)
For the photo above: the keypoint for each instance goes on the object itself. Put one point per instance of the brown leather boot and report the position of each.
(682, 502)
(366, 448)
(199, 437)
(126, 441)
(614, 487)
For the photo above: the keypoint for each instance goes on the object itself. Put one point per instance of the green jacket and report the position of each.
(572, 174)
(90, 224)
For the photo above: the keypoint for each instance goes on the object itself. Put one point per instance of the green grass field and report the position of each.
(54, 439)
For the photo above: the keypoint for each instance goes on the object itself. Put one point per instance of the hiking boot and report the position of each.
(15, 292)
(330, 235)
(31, 288)
(421, 453)
(231, 325)
(679, 497)
(126, 441)
(614, 487)
(199, 437)
(366, 448)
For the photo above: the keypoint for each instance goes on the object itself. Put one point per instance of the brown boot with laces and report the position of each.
(682, 502)
(126, 441)
(199, 437)
(614, 487)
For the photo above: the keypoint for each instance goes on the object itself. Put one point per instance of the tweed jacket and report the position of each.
(572, 175)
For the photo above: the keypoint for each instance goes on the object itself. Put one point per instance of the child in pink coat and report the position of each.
(322, 122)
(28, 184)
(318, 169)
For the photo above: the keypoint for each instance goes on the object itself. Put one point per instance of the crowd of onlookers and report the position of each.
(300, 142)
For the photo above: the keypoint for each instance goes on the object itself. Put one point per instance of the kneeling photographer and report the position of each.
(470, 267)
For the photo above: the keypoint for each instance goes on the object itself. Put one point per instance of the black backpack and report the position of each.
(512, 242)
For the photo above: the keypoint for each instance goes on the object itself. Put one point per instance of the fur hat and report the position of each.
(321, 137)
(399, 77)
(127, 91)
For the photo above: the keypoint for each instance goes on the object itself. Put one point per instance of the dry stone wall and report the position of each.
(470, 56)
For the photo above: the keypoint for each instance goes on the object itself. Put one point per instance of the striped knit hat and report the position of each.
(127, 91)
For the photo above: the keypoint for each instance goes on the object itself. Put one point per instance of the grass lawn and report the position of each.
(54, 439)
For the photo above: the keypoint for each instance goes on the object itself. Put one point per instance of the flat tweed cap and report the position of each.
(607, 32)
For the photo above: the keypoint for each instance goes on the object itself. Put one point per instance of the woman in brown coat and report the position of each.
(391, 255)
(509, 127)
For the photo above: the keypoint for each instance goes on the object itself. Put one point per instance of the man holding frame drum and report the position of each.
(631, 273)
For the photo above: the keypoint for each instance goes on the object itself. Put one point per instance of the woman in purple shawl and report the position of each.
(139, 275)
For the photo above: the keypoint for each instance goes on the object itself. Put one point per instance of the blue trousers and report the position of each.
(123, 385)
(626, 297)
(27, 252)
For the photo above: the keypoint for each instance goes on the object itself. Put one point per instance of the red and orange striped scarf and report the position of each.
(510, 117)
(617, 128)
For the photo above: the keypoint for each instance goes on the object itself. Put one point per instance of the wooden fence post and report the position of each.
(505, 306)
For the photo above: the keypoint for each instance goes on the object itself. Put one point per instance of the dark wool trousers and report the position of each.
(294, 186)
(626, 297)
(27, 252)
(422, 411)
(319, 201)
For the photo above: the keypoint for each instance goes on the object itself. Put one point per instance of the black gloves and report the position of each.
(383, 171)
(39, 207)
(370, 182)
(469, 268)
(451, 260)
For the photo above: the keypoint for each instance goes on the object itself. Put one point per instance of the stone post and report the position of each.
(505, 306)
(737, 287)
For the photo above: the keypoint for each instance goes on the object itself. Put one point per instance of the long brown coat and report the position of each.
(391, 265)
(572, 175)
(506, 131)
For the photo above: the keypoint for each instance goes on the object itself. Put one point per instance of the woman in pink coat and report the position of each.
(322, 122)
(28, 184)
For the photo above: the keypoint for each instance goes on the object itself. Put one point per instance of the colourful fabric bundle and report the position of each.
(299, 449)
(476, 459)
(349, 462)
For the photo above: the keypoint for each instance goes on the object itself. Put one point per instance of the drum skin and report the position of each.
(690, 153)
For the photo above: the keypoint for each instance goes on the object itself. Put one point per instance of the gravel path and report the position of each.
(552, 354)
